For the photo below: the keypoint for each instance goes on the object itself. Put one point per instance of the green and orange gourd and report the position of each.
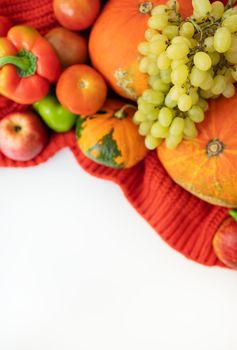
(109, 137)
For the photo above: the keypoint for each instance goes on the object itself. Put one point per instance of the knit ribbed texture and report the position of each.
(185, 222)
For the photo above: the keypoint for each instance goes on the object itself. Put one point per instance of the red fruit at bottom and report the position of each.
(225, 243)
(22, 136)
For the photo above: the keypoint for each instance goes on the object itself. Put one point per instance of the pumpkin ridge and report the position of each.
(229, 162)
(197, 172)
(176, 159)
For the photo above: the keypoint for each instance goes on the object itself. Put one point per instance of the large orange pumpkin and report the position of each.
(207, 166)
(110, 137)
(114, 40)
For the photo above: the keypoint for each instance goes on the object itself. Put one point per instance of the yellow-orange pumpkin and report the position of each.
(110, 137)
(207, 166)
(114, 40)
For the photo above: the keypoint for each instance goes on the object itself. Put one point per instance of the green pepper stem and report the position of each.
(22, 63)
(120, 114)
(233, 213)
(25, 61)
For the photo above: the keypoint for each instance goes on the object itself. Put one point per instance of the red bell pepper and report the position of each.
(29, 64)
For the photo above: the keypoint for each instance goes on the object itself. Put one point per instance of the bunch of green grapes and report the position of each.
(187, 61)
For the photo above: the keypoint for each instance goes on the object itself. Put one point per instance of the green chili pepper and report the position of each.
(54, 114)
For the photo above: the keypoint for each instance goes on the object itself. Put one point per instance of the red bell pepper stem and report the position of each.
(24, 60)
(233, 213)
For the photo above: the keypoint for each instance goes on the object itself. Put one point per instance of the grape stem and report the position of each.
(230, 4)
(198, 28)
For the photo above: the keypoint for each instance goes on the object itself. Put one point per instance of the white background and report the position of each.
(81, 270)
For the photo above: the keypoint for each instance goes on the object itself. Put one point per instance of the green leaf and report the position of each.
(105, 151)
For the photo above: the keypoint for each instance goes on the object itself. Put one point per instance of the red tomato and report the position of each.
(5, 25)
(81, 89)
(76, 14)
(70, 47)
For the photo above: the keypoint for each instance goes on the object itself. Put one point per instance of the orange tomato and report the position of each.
(81, 89)
(5, 25)
(70, 47)
(76, 14)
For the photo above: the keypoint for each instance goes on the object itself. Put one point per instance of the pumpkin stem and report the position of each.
(233, 213)
(145, 7)
(214, 148)
(120, 114)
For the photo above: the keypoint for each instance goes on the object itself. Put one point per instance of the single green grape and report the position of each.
(139, 117)
(202, 61)
(185, 103)
(215, 58)
(163, 61)
(173, 141)
(171, 31)
(194, 95)
(176, 63)
(158, 22)
(143, 65)
(177, 51)
(196, 114)
(144, 48)
(176, 92)
(219, 85)
(203, 104)
(157, 46)
(229, 91)
(218, 9)
(203, 7)
(153, 96)
(159, 131)
(159, 85)
(153, 69)
(208, 83)
(152, 142)
(209, 44)
(150, 33)
(190, 129)
(159, 10)
(197, 76)
(222, 40)
(231, 23)
(169, 102)
(145, 127)
(181, 40)
(187, 30)
(165, 75)
(177, 126)
(165, 116)
(179, 75)
(153, 115)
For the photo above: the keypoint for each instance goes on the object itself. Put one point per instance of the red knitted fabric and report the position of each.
(184, 222)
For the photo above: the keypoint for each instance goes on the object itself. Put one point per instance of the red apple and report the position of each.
(225, 243)
(22, 136)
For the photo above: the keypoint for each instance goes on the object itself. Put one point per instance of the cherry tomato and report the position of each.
(76, 14)
(70, 47)
(81, 89)
(5, 25)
